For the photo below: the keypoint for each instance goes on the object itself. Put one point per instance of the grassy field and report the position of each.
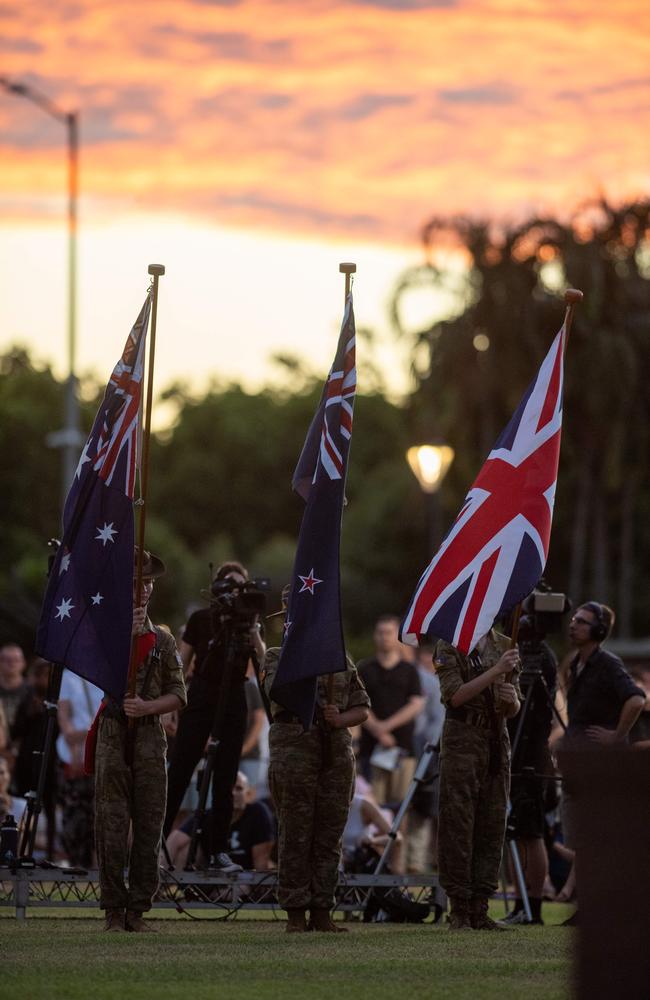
(253, 959)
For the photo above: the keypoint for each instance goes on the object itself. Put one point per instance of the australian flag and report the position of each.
(497, 547)
(88, 606)
(313, 641)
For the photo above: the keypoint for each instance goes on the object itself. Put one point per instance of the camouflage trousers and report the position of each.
(312, 789)
(129, 797)
(472, 811)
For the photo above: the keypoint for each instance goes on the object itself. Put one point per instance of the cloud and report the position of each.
(402, 5)
(490, 93)
(364, 115)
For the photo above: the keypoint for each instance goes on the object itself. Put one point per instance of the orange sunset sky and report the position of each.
(252, 145)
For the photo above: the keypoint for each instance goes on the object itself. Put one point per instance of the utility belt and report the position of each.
(289, 718)
(113, 711)
(470, 717)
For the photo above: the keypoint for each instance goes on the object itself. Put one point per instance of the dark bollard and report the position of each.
(612, 789)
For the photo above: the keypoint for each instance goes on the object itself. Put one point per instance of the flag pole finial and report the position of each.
(347, 269)
(572, 296)
(156, 269)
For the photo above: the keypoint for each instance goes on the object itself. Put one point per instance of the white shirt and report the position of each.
(84, 700)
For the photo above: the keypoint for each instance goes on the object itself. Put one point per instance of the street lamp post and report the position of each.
(69, 439)
(430, 464)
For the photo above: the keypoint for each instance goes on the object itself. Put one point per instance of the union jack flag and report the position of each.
(313, 641)
(87, 610)
(497, 547)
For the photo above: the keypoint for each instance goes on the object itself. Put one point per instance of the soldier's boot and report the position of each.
(134, 922)
(114, 920)
(296, 922)
(320, 920)
(459, 916)
(478, 912)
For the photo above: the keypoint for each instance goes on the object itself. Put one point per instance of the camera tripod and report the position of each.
(420, 777)
(238, 653)
(529, 679)
(35, 798)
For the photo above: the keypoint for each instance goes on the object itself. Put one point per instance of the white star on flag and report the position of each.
(309, 582)
(65, 562)
(106, 533)
(64, 608)
(97, 598)
(84, 458)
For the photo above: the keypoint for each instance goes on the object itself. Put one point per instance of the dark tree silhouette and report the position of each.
(474, 366)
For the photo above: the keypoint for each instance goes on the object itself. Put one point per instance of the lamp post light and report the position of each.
(69, 439)
(430, 464)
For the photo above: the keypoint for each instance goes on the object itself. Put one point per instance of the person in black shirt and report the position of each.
(250, 838)
(603, 702)
(205, 644)
(393, 685)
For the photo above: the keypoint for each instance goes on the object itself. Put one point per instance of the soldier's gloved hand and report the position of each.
(505, 693)
(508, 662)
(139, 615)
(135, 708)
(331, 715)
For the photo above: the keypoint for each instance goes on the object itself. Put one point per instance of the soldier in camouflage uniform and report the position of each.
(131, 781)
(474, 773)
(311, 777)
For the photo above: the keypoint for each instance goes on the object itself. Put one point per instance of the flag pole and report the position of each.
(571, 297)
(156, 270)
(348, 269)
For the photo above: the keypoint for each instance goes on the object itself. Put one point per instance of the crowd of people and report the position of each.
(202, 753)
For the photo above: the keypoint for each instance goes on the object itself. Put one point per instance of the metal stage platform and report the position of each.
(27, 889)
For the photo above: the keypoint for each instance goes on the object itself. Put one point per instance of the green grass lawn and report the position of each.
(253, 959)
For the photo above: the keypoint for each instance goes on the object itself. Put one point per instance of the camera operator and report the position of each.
(222, 644)
(531, 760)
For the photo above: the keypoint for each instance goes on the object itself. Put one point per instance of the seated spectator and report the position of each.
(368, 827)
(251, 836)
(10, 805)
(640, 731)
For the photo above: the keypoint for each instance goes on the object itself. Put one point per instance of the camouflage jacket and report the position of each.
(348, 688)
(454, 669)
(166, 674)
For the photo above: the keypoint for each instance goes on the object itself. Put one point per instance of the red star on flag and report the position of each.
(309, 582)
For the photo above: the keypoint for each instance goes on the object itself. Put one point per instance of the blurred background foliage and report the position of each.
(220, 474)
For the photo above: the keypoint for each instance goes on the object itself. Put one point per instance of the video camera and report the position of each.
(543, 612)
(239, 603)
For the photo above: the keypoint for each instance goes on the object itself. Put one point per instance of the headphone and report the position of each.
(598, 631)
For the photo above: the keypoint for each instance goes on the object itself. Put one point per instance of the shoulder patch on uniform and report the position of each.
(444, 660)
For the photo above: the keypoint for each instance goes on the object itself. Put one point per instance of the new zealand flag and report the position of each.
(313, 641)
(88, 606)
(497, 547)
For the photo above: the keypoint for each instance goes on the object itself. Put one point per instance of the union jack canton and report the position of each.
(497, 547)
